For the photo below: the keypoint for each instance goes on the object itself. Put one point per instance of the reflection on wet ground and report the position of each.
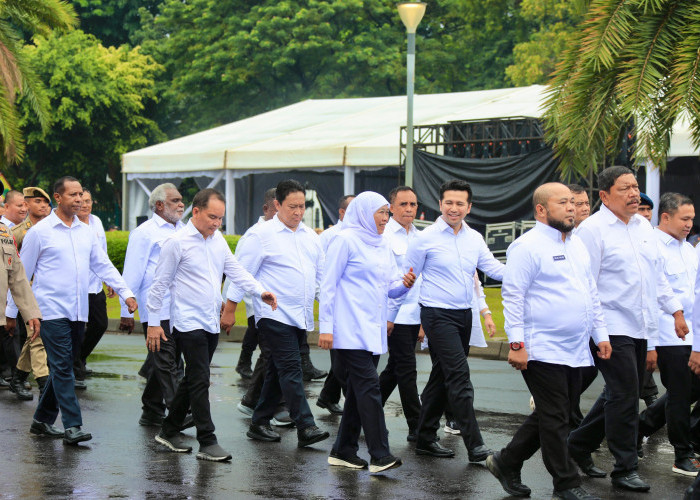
(123, 460)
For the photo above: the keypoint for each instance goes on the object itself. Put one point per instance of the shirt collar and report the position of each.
(665, 238)
(395, 227)
(611, 218)
(162, 222)
(549, 231)
(54, 220)
(444, 226)
(281, 226)
(190, 229)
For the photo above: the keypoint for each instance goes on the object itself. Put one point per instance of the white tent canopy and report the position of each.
(326, 134)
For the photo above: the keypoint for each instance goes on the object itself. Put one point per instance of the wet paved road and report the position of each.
(123, 460)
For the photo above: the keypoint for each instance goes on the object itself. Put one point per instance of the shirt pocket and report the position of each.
(8, 256)
(675, 273)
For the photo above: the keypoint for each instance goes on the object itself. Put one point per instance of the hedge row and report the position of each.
(117, 241)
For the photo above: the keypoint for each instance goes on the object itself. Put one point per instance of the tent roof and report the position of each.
(334, 133)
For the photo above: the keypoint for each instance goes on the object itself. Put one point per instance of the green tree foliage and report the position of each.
(554, 29)
(19, 18)
(228, 60)
(99, 98)
(632, 62)
(113, 22)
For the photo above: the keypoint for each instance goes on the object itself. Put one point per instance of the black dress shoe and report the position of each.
(244, 371)
(150, 419)
(412, 436)
(479, 453)
(311, 435)
(262, 433)
(17, 386)
(631, 482)
(4, 384)
(334, 408)
(509, 478)
(434, 449)
(588, 467)
(44, 429)
(75, 435)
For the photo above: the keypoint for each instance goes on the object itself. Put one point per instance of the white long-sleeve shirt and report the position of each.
(550, 300)
(399, 241)
(95, 224)
(6, 221)
(477, 337)
(680, 267)
(628, 270)
(247, 299)
(192, 268)
(287, 263)
(142, 253)
(330, 233)
(447, 262)
(61, 257)
(357, 281)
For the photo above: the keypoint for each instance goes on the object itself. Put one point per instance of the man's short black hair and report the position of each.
(344, 201)
(397, 190)
(201, 199)
(671, 202)
(576, 188)
(607, 177)
(456, 185)
(285, 188)
(60, 185)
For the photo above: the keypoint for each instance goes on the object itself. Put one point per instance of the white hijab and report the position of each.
(359, 218)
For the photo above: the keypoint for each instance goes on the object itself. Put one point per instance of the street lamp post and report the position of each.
(411, 14)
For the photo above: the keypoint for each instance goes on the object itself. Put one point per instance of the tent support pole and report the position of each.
(230, 203)
(348, 180)
(653, 189)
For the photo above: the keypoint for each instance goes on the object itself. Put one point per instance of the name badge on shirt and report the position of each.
(559, 257)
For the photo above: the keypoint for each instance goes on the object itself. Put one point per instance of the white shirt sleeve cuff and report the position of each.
(672, 305)
(325, 327)
(516, 334)
(600, 335)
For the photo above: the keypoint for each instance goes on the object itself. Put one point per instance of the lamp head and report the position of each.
(411, 14)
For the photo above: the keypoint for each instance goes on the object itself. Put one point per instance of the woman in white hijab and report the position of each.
(360, 274)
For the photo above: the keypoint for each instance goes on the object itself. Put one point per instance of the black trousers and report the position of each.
(363, 410)
(162, 376)
(332, 387)
(95, 327)
(12, 344)
(649, 387)
(401, 370)
(615, 414)
(250, 338)
(252, 395)
(283, 376)
(673, 408)
(448, 332)
(198, 347)
(556, 391)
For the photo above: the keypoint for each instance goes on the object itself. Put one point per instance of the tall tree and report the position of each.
(113, 22)
(17, 76)
(228, 60)
(633, 62)
(100, 99)
(554, 28)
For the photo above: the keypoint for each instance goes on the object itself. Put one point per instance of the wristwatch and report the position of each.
(483, 314)
(516, 346)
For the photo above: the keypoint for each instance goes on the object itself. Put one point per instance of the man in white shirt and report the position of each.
(676, 214)
(582, 206)
(61, 280)
(142, 253)
(693, 491)
(15, 209)
(191, 266)
(250, 339)
(628, 269)
(97, 299)
(551, 309)
(403, 332)
(329, 397)
(286, 257)
(448, 254)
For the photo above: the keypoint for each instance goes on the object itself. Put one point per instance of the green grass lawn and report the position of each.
(493, 299)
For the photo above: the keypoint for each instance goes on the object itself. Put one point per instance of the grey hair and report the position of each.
(159, 194)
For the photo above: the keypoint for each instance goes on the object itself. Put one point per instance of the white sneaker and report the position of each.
(451, 428)
(245, 410)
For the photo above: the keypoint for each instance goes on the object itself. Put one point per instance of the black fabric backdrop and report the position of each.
(250, 191)
(502, 187)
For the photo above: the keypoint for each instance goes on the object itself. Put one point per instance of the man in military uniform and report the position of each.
(33, 355)
(14, 278)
